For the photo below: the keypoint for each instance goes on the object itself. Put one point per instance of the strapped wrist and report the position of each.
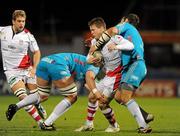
(94, 90)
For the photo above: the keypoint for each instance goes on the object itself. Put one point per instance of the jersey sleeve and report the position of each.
(122, 43)
(33, 43)
(1, 28)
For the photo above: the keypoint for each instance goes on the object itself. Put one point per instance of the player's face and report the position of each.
(19, 23)
(96, 32)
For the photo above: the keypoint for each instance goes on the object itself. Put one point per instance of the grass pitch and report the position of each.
(166, 123)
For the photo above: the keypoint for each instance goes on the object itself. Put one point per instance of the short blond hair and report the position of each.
(18, 13)
(98, 22)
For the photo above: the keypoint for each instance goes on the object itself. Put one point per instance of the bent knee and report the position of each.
(92, 98)
(72, 98)
(103, 106)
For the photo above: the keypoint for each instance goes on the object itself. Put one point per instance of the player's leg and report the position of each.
(131, 80)
(41, 95)
(91, 110)
(70, 93)
(20, 91)
(108, 112)
(148, 117)
(33, 89)
(132, 106)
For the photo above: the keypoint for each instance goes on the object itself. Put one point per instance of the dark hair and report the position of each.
(133, 19)
(98, 21)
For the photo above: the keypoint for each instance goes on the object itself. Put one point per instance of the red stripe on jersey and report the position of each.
(26, 30)
(25, 62)
(114, 72)
(117, 82)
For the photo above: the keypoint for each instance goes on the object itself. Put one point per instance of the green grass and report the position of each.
(166, 123)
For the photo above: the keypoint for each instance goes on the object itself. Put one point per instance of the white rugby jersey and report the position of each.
(111, 59)
(14, 48)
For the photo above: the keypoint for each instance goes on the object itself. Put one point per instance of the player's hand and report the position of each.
(92, 49)
(100, 97)
(32, 72)
(112, 47)
(91, 59)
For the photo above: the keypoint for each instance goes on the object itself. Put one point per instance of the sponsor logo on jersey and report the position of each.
(11, 47)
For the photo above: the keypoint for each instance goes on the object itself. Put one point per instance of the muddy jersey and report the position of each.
(14, 48)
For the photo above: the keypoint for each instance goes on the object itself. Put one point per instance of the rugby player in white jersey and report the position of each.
(110, 83)
(18, 68)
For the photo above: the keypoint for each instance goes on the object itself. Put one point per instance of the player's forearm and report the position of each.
(90, 80)
(105, 37)
(125, 45)
(36, 58)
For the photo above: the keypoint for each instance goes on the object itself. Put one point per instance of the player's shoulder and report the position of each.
(28, 33)
(5, 27)
(26, 30)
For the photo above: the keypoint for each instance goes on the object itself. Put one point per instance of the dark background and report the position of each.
(57, 22)
(71, 15)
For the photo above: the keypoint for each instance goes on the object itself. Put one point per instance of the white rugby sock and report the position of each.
(135, 111)
(28, 100)
(62, 107)
(91, 111)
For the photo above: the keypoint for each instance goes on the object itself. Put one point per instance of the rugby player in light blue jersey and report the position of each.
(134, 67)
(61, 70)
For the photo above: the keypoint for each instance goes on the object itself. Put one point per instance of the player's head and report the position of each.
(132, 19)
(18, 20)
(97, 27)
(96, 59)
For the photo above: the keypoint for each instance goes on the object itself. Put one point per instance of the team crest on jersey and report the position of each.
(20, 42)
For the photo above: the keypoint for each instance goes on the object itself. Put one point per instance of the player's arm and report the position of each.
(36, 59)
(90, 81)
(105, 37)
(36, 54)
(120, 43)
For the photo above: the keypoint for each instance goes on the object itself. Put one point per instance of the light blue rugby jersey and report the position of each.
(76, 64)
(129, 32)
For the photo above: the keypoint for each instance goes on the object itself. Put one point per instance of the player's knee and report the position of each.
(118, 99)
(33, 91)
(103, 106)
(44, 92)
(126, 93)
(68, 90)
(72, 98)
(20, 93)
(126, 86)
(92, 98)
(124, 98)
